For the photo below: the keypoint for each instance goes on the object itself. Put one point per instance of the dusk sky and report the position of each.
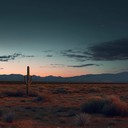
(63, 37)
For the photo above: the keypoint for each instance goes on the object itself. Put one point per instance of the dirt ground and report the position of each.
(56, 105)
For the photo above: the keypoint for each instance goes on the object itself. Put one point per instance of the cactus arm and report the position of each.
(30, 79)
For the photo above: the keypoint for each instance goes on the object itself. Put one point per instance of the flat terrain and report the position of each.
(56, 105)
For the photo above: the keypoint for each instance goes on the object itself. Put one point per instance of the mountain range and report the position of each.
(89, 78)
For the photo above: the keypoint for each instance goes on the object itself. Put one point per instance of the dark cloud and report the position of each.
(49, 55)
(1, 68)
(84, 65)
(112, 50)
(75, 54)
(29, 56)
(7, 58)
(74, 66)
(106, 51)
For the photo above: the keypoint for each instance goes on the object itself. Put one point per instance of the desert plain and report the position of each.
(55, 105)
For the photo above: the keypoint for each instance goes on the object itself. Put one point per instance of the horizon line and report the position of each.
(64, 76)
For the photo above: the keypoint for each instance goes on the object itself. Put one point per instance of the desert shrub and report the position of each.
(1, 112)
(115, 107)
(93, 90)
(71, 113)
(39, 98)
(111, 110)
(109, 106)
(9, 117)
(33, 94)
(60, 109)
(28, 107)
(82, 119)
(14, 94)
(94, 105)
(60, 90)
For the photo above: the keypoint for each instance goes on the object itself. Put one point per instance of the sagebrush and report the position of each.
(109, 106)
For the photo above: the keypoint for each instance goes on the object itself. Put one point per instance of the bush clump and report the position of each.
(82, 120)
(115, 107)
(33, 94)
(94, 105)
(60, 90)
(14, 94)
(39, 98)
(109, 106)
(9, 117)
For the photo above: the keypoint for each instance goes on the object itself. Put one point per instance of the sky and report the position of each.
(63, 37)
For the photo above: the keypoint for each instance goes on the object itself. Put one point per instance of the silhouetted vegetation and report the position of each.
(9, 117)
(109, 106)
(39, 98)
(60, 90)
(82, 120)
(14, 94)
(28, 80)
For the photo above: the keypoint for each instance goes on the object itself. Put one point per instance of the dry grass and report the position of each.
(82, 120)
(55, 105)
(115, 107)
(109, 106)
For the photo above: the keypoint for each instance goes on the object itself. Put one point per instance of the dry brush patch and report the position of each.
(82, 120)
(109, 106)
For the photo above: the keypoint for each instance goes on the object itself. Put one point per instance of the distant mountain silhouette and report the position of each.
(93, 78)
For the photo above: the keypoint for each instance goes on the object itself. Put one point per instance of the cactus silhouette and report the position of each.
(28, 80)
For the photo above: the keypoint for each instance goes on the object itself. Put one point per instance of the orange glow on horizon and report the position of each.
(63, 72)
(35, 69)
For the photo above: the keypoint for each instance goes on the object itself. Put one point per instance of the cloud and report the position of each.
(49, 55)
(7, 58)
(105, 51)
(48, 51)
(84, 65)
(57, 65)
(53, 66)
(75, 54)
(112, 50)
(1, 68)
(29, 56)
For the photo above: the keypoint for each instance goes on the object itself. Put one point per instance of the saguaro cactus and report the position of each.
(28, 80)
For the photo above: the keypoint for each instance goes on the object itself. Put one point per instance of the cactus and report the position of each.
(28, 80)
